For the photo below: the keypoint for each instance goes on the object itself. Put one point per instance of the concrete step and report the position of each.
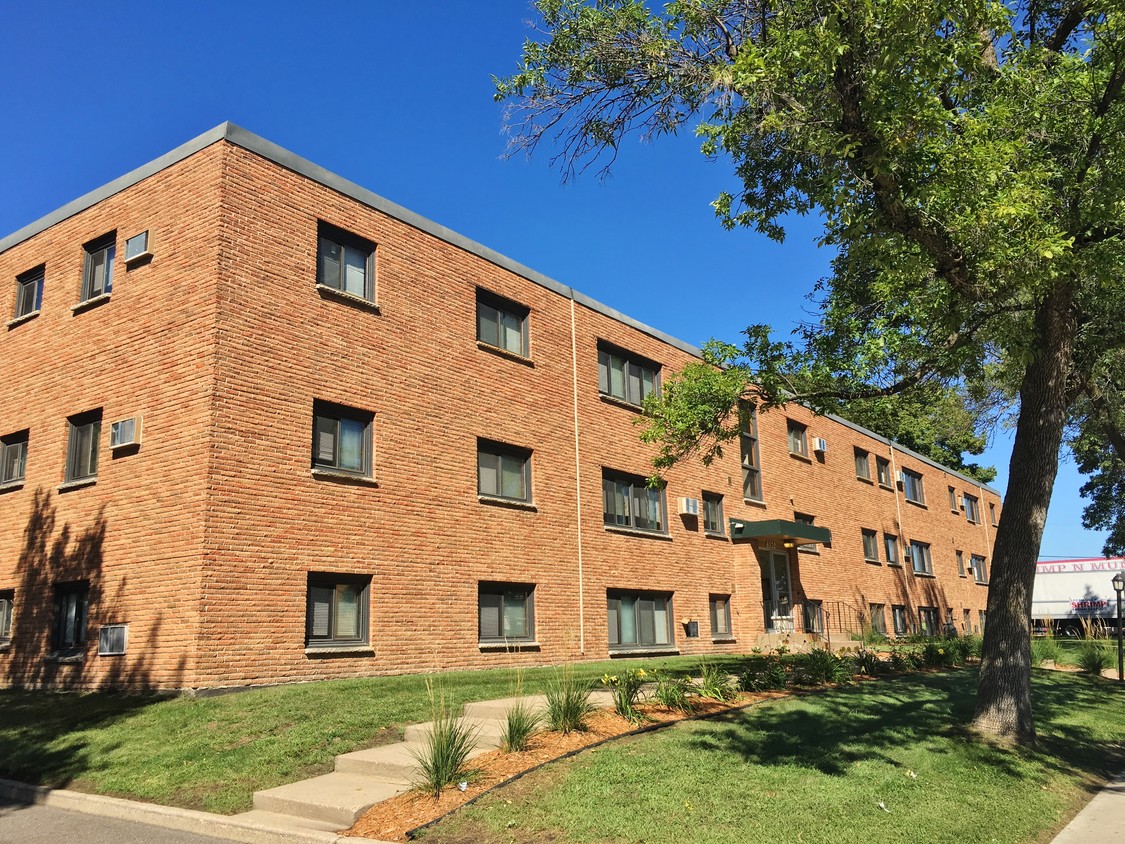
(336, 798)
(273, 820)
(390, 762)
(486, 731)
(498, 709)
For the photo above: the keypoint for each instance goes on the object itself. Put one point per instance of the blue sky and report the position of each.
(398, 98)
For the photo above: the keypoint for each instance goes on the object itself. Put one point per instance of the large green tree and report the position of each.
(966, 158)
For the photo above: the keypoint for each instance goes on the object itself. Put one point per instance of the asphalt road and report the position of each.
(21, 824)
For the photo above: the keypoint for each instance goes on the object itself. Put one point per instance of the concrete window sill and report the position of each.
(505, 353)
(507, 647)
(514, 504)
(344, 478)
(92, 302)
(346, 298)
(20, 320)
(628, 405)
(616, 653)
(341, 650)
(646, 534)
(77, 484)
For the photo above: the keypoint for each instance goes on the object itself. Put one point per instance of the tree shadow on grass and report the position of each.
(828, 733)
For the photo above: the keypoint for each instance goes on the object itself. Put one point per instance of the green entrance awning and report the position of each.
(779, 530)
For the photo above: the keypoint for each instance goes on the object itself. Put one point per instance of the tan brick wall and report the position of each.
(223, 344)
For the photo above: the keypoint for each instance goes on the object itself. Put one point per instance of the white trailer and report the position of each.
(1074, 594)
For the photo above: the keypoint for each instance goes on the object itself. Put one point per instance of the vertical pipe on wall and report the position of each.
(577, 485)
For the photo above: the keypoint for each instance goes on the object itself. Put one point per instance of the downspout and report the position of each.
(577, 485)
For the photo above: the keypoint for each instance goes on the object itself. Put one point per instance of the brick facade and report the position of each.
(222, 344)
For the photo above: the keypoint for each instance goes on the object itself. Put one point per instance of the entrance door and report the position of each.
(777, 603)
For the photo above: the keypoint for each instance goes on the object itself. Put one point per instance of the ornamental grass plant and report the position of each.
(444, 755)
(568, 701)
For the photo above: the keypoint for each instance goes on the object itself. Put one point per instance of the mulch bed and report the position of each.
(392, 819)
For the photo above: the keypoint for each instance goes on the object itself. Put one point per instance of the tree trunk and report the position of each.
(1004, 691)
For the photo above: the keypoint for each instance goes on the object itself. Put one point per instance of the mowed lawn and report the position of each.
(884, 761)
(213, 753)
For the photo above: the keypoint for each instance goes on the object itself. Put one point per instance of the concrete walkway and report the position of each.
(1102, 821)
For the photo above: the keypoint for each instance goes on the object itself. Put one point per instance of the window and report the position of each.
(336, 610)
(813, 617)
(7, 603)
(898, 617)
(928, 621)
(912, 487)
(950, 628)
(29, 291)
(345, 262)
(625, 376)
(713, 513)
(341, 439)
(862, 464)
(798, 439)
(968, 620)
(883, 471)
(890, 548)
(112, 639)
(920, 557)
(953, 500)
(805, 519)
(972, 509)
(97, 272)
(748, 438)
(13, 458)
(82, 449)
(503, 471)
(980, 574)
(501, 323)
(983, 617)
(629, 502)
(720, 616)
(136, 247)
(870, 546)
(639, 619)
(960, 563)
(879, 619)
(992, 514)
(506, 612)
(71, 602)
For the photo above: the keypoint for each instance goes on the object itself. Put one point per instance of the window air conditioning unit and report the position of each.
(125, 432)
(689, 506)
(961, 501)
(901, 478)
(820, 444)
(112, 639)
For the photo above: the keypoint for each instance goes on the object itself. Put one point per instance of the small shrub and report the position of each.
(521, 724)
(1044, 650)
(771, 676)
(968, 647)
(674, 692)
(820, 666)
(939, 654)
(866, 661)
(444, 755)
(903, 660)
(714, 682)
(1093, 658)
(568, 701)
(626, 688)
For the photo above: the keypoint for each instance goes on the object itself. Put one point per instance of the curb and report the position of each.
(168, 817)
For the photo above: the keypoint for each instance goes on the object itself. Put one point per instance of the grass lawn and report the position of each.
(1070, 648)
(815, 769)
(213, 753)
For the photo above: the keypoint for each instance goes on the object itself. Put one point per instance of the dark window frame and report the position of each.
(921, 562)
(992, 514)
(883, 471)
(71, 617)
(13, 457)
(718, 607)
(810, 520)
(500, 451)
(900, 620)
(99, 253)
(812, 616)
(82, 458)
(629, 520)
(979, 568)
(913, 488)
(870, 545)
(878, 618)
(862, 463)
(751, 458)
(972, 508)
(891, 549)
(929, 622)
(960, 557)
(639, 598)
(326, 412)
(953, 508)
(344, 240)
(490, 590)
(633, 369)
(713, 514)
(333, 581)
(793, 428)
(7, 611)
(501, 307)
(29, 291)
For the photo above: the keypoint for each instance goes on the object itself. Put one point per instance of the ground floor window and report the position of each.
(71, 603)
(968, 622)
(983, 616)
(814, 617)
(898, 616)
(337, 608)
(639, 619)
(720, 616)
(7, 601)
(879, 619)
(928, 621)
(506, 612)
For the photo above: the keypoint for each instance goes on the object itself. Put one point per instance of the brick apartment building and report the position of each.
(261, 425)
